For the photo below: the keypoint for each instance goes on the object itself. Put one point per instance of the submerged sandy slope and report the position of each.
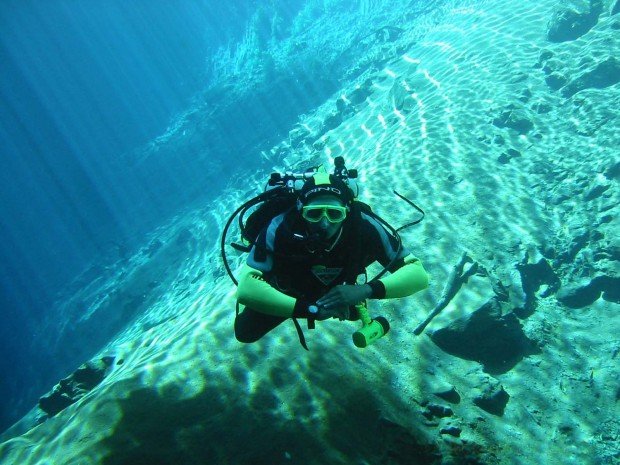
(520, 175)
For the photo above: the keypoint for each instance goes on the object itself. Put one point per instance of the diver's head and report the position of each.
(324, 202)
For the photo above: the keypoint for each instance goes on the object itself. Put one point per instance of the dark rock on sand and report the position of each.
(514, 119)
(596, 191)
(610, 288)
(605, 74)
(587, 292)
(451, 430)
(74, 387)
(185, 238)
(579, 238)
(568, 24)
(578, 295)
(359, 94)
(537, 277)
(332, 121)
(496, 341)
(297, 135)
(493, 399)
(436, 410)
(449, 394)
(556, 81)
(154, 247)
(613, 172)
(541, 108)
(508, 155)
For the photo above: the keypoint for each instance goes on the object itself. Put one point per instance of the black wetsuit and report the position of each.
(305, 270)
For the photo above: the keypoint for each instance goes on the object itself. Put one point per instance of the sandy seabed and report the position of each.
(519, 175)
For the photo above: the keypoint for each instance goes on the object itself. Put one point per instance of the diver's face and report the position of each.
(324, 221)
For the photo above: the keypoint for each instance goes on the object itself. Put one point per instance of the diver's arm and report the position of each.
(407, 273)
(259, 295)
(408, 279)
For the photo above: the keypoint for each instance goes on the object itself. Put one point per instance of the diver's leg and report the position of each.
(251, 325)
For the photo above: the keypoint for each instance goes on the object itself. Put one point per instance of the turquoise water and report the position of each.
(133, 133)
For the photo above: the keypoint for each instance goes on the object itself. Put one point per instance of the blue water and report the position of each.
(84, 86)
(78, 89)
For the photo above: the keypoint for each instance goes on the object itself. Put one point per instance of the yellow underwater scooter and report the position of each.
(372, 329)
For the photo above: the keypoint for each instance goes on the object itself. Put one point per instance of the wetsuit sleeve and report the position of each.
(410, 278)
(407, 273)
(254, 292)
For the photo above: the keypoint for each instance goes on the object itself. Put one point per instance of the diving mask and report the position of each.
(315, 213)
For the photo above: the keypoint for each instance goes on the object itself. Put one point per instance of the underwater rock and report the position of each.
(400, 98)
(596, 191)
(496, 341)
(342, 105)
(298, 134)
(344, 108)
(578, 295)
(332, 121)
(436, 410)
(568, 24)
(448, 393)
(514, 119)
(499, 140)
(153, 248)
(185, 237)
(493, 399)
(605, 74)
(541, 108)
(587, 292)
(556, 81)
(69, 390)
(610, 288)
(360, 93)
(613, 172)
(579, 239)
(55, 401)
(526, 95)
(508, 155)
(535, 272)
(451, 430)
(542, 59)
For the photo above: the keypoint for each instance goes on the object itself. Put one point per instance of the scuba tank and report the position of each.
(279, 195)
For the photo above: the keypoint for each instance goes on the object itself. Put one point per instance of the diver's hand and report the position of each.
(343, 296)
(342, 314)
(321, 315)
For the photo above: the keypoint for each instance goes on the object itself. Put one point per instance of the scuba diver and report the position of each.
(309, 260)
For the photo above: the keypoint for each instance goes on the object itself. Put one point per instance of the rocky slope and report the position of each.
(501, 121)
